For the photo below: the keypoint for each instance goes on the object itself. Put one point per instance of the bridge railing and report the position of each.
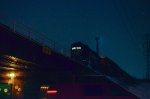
(37, 37)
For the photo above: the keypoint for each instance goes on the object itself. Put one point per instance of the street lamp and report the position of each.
(12, 75)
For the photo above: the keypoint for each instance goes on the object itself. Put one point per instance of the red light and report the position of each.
(52, 92)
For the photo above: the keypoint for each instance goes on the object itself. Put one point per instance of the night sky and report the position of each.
(120, 24)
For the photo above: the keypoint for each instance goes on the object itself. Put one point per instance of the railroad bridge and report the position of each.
(26, 58)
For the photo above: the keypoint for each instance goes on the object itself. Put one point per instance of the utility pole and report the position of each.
(14, 26)
(147, 54)
(97, 44)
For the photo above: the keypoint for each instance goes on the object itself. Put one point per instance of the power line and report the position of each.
(126, 26)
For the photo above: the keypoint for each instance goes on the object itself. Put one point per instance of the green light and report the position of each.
(5, 88)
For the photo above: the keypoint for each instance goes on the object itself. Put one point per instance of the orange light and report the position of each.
(52, 92)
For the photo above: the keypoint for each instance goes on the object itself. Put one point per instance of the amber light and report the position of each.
(11, 75)
(52, 92)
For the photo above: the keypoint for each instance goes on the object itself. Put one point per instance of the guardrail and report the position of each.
(37, 37)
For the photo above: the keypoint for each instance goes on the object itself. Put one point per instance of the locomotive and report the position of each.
(103, 65)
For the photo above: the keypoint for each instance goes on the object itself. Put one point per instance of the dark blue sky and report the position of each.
(120, 24)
